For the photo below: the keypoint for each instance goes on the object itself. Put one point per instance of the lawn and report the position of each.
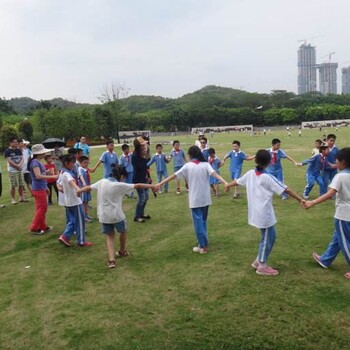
(165, 297)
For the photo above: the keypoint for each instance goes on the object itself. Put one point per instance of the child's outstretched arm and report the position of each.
(230, 184)
(217, 176)
(92, 170)
(294, 195)
(169, 178)
(144, 186)
(292, 160)
(84, 189)
(250, 157)
(329, 195)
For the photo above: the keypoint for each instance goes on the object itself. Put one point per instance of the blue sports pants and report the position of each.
(267, 240)
(160, 175)
(340, 242)
(199, 216)
(310, 181)
(75, 223)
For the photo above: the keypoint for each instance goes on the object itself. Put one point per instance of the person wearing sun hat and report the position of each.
(39, 189)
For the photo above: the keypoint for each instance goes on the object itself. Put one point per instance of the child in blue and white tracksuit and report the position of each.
(197, 173)
(236, 163)
(126, 162)
(275, 168)
(315, 171)
(215, 163)
(261, 187)
(330, 170)
(179, 159)
(160, 159)
(340, 188)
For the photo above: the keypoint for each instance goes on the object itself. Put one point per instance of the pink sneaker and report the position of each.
(64, 240)
(266, 271)
(255, 264)
(317, 258)
(347, 275)
(200, 250)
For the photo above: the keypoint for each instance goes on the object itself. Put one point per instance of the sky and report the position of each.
(74, 49)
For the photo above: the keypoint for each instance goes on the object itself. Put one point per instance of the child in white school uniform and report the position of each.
(340, 188)
(260, 189)
(197, 173)
(73, 203)
(110, 193)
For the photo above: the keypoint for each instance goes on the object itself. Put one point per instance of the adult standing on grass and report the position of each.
(110, 193)
(340, 188)
(197, 173)
(26, 153)
(260, 189)
(39, 189)
(83, 146)
(139, 160)
(109, 159)
(14, 158)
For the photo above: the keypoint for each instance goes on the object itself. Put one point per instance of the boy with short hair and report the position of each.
(215, 163)
(261, 187)
(318, 144)
(331, 168)
(108, 158)
(126, 162)
(14, 159)
(275, 167)
(110, 193)
(161, 160)
(236, 163)
(315, 171)
(179, 158)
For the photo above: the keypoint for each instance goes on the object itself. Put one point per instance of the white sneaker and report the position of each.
(305, 196)
(13, 201)
(200, 250)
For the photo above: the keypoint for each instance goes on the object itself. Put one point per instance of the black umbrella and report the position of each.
(52, 142)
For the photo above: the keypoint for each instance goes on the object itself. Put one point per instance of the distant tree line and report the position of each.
(209, 106)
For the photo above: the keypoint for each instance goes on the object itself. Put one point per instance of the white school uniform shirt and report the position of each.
(260, 189)
(61, 201)
(341, 183)
(197, 177)
(110, 195)
(69, 193)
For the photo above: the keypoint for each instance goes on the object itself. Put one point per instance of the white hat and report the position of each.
(40, 149)
(26, 142)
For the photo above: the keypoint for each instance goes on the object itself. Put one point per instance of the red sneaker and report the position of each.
(266, 271)
(64, 240)
(85, 244)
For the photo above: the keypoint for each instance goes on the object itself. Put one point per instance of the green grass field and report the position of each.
(166, 297)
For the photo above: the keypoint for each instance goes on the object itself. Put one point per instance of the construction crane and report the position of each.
(329, 56)
(308, 39)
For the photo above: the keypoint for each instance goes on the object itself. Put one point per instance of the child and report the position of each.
(318, 144)
(331, 168)
(109, 159)
(215, 163)
(275, 168)
(110, 194)
(178, 155)
(160, 159)
(51, 170)
(197, 172)
(340, 188)
(260, 189)
(126, 162)
(84, 180)
(315, 171)
(237, 157)
(77, 153)
(74, 206)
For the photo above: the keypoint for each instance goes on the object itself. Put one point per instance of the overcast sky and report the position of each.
(73, 48)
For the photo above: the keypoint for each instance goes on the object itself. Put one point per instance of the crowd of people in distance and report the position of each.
(68, 176)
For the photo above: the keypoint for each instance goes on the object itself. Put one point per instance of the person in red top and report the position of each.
(51, 183)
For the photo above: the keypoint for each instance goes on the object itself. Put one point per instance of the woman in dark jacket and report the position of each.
(139, 162)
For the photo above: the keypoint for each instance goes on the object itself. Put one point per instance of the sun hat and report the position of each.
(139, 141)
(40, 149)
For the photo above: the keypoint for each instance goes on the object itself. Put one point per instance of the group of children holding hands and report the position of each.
(202, 170)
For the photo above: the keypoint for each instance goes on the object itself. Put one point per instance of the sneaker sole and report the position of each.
(318, 261)
(64, 242)
(266, 274)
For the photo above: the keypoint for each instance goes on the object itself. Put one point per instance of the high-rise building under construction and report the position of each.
(307, 80)
(345, 78)
(328, 77)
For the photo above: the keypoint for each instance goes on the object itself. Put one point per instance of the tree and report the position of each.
(7, 131)
(26, 129)
(111, 97)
